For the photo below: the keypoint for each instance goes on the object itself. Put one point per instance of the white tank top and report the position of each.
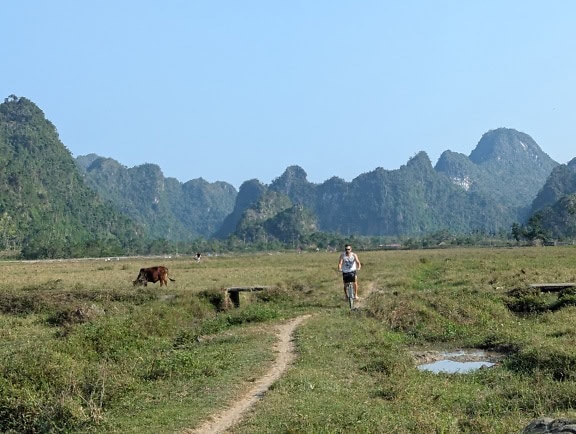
(349, 263)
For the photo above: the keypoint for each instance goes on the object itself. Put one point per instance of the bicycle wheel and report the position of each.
(350, 292)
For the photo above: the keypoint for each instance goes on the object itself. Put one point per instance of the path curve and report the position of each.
(286, 355)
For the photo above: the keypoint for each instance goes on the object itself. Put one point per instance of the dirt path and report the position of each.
(232, 415)
(284, 346)
(363, 293)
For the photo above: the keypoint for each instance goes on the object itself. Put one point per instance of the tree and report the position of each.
(535, 229)
(517, 231)
(8, 233)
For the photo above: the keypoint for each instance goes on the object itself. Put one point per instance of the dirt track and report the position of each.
(284, 346)
(232, 415)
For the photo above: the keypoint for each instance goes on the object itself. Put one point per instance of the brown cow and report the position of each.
(153, 274)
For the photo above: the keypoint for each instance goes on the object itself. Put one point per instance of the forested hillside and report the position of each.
(52, 205)
(561, 182)
(46, 210)
(166, 208)
(485, 192)
(553, 214)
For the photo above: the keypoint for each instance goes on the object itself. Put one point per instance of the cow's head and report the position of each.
(141, 279)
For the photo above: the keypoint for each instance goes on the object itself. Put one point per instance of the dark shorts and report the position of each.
(349, 277)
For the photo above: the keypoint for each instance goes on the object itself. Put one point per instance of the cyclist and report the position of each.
(349, 264)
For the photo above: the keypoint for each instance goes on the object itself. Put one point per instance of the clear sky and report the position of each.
(231, 90)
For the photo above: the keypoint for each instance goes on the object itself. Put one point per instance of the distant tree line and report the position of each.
(45, 247)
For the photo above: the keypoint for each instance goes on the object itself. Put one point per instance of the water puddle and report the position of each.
(452, 367)
(455, 362)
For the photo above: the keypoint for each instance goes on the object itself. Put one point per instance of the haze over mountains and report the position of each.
(506, 179)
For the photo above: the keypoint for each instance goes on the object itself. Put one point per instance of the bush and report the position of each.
(255, 312)
(529, 304)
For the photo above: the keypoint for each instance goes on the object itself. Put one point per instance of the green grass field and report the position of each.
(84, 350)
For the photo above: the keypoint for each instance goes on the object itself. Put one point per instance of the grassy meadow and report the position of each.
(85, 351)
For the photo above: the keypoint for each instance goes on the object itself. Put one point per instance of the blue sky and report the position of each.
(235, 90)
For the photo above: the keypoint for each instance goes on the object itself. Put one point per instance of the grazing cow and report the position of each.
(153, 274)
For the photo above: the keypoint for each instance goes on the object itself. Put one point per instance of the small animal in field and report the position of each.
(153, 274)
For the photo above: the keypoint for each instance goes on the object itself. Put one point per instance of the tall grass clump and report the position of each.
(27, 403)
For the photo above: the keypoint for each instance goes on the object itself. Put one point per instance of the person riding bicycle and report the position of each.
(349, 264)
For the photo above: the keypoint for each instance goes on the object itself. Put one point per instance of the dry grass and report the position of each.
(86, 351)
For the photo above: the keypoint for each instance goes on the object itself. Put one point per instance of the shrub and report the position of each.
(255, 312)
(529, 304)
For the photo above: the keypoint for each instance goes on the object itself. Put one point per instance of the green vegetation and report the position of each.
(54, 206)
(164, 207)
(46, 210)
(85, 351)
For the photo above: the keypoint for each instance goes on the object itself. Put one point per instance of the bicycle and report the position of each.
(350, 294)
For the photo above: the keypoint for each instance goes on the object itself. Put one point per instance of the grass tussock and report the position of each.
(85, 351)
